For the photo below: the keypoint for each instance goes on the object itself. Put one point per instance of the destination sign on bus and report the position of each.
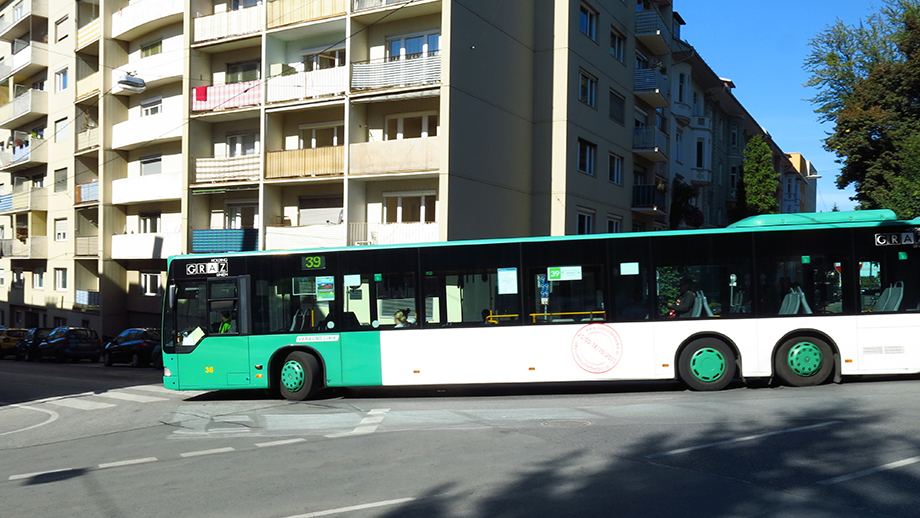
(314, 262)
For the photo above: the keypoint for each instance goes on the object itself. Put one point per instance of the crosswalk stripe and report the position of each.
(154, 388)
(126, 396)
(80, 403)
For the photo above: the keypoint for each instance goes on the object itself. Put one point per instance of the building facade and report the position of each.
(134, 130)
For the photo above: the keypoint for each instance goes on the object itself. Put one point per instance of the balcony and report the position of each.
(86, 192)
(225, 240)
(228, 169)
(140, 189)
(391, 233)
(698, 122)
(24, 109)
(700, 177)
(35, 247)
(225, 97)
(27, 152)
(155, 70)
(87, 139)
(14, 20)
(413, 71)
(651, 86)
(228, 24)
(683, 112)
(86, 299)
(650, 143)
(133, 133)
(308, 85)
(144, 16)
(362, 5)
(36, 199)
(146, 246)
(89, 85)
(305, 163)
(394, 156)
(652, 32)
(89, 33)
(28, 59)
(87, 246)
(307, 236)
(288, 12)
(648, 199)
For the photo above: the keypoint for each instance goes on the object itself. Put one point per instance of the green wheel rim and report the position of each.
(292, 376)
(707, 364)
(805, 359)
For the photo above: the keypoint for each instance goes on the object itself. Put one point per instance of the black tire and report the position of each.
(297, 376)
(707, 364)
(107, 359)
(137, 361)
(804, 361)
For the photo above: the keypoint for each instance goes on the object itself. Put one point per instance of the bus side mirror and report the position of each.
(171, 298)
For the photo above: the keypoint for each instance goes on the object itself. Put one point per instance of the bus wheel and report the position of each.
(707, 364)
(297, 376)
(804, 361)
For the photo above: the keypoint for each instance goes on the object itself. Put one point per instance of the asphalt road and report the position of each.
(84, 440)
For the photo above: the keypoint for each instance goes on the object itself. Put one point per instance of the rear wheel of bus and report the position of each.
(297, 376)
(804, 361)
(707, 364)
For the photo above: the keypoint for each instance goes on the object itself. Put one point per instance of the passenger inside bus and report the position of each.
(683, 306)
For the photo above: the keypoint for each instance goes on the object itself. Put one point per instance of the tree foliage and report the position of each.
(759, 179)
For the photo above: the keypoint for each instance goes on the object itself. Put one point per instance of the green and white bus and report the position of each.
(800, 298)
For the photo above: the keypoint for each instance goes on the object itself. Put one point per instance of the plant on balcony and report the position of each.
(22, 233)
(661, 185)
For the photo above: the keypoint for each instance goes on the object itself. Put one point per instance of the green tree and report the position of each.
(759, 178)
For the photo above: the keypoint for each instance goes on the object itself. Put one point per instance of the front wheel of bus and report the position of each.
(707, 364)
(804, 361)
(296, 379)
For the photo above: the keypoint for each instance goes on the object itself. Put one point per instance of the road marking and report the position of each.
(51, 413)
(125, 396)
(279, 443)
(126, 462)
(353, 508)
(154, 388)
(871, 471)
(368, 424)
(740, 439)
(40, 473)
(207, 452)
(79, 403)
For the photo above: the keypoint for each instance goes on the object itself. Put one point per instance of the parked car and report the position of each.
(134, 346)
(65, 343)
(27, 349)
(9, 339)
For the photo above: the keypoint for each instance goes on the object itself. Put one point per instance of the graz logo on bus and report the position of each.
(216, 267)
(896, 238)
(597, 348)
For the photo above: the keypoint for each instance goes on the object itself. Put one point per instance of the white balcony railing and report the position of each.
(28, 57)
(140, 12)
(361, 5)
(391, 233)
(308, 85)
(224, 97)
(228, 24)
(414, 71)
(133, 132)
(308, 236)
(154, 70)
(287, 12)
(415, 154)
(146, 246)
(89, 32)
(228, 169)
(154, 187)
(25, 108)
(87, 138)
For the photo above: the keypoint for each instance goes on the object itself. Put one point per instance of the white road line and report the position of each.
(153, 388)
(126, 462)
(740, 439)
(279, 443)
(39, 473)
(207, 452)
(79, 403)
(232, 419)
(125, 396)
(52, 416)
(353, 508)
(871, 471)
(368, 424)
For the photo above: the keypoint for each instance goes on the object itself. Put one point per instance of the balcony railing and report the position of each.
(36, 199)
(87, 139)
(34, 247)
(13, 19)
(225, 240)
(651, 143)
(308, 85)
(146, 246)
(28, 58)
(87, 245)
(652, 31)
(651, 86)
(88, 85)
(24, 109)
(162, 127)
(287, 12)
(304, 163)
(86, 299)
(307, 236)
(701, 122)
(417, 70)
(87, 192)
(391, 233)
(224, 97)
(89, 32)
(415, 154)
(155, 70)
(143, 12)
(361, 5)
(154, 187)
(648, 199)
(228, 24)
(27, 151)
(228, 169)
(700, 176)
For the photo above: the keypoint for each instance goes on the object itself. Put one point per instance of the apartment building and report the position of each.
(134, 130)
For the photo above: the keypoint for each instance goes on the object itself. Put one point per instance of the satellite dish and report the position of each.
(132, 84)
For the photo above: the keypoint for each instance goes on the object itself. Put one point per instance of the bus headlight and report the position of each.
(166, 372)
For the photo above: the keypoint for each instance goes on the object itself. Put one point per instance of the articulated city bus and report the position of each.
(799, 298)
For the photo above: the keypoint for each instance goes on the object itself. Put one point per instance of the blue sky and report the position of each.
(761, 47)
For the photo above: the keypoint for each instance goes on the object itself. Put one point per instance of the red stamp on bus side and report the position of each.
(597, 348)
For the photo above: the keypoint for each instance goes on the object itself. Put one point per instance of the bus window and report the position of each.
(376, 298)
(567, 294)
(887, 282)
(475, 297)
(803, 285)
(291, 296)
(191, 312)
(630, 292)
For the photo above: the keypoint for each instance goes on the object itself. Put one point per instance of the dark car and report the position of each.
(9, 339)
(71, 343)
(134, 346)
(27, 348)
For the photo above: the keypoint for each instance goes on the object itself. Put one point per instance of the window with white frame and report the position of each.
(242, 144)
(18, 277)
(60, 130)
(587, 21)
(587, 157)
(150, 283)
(614, 225)
(409, 207)
(587, 88)
(317, 136)
(38, 278)
(152, 49)
(60, 80)
(617, 45)
(152, 107)
(327, 58)
(413, 45)
(152, 164)
(60, 279)
(617, 107)
(60, 29)
(149, 223)
(60, 229)
(585, 222)
(411, 125)
(615, 171)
